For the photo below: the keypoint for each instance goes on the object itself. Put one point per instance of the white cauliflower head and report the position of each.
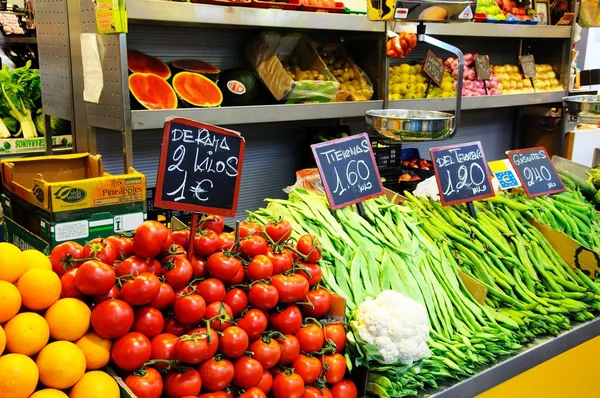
(397, 326)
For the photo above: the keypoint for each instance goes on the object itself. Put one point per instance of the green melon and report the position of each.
(196, 90)
(151, 91)
(239, 87)
(139, 62)
(196, 66)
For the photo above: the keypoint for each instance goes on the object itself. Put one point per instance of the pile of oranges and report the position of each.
(46, 348)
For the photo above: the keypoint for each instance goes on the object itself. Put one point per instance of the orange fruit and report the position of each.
(95, 384)
(27, 333)
(10, 301)
(19, 376)
(11, 262)
(40, 288)
(96, 350)
(49, 393)
(68, 319)
(35, 259)
(2, 340)
(61, 364)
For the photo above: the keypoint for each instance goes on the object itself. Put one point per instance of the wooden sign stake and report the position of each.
(193, 228)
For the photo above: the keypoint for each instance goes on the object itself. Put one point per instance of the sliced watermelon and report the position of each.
(139, 62)
(151, 91)
(196, 66)
(197, 90)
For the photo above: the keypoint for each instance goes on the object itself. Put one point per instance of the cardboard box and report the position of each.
(267, 54)
(28, 145)
(421, 10)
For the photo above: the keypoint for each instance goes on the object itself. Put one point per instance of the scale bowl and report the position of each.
(585, 107)
(410, 125)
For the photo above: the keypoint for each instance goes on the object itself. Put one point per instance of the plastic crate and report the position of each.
(278, 5)
(387, 152)
(392, 178)
(338, 8)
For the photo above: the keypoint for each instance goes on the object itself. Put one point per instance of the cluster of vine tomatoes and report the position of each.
(245, 316)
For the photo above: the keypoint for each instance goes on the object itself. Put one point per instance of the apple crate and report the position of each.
(387, 152)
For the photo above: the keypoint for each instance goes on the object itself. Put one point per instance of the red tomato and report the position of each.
(312, 392)
(198, 266)
(344, 389)
(190, 309)
(309, 368)
(148, 321)
(223, 266)
(213, 344)
(288, 385)
(336, 333)
(226, 241)
(238, 278)
(252, 246)
(133, 265)
(181, 384)
(175, 327)
(248, 372)
(147, 383)
(100, 249)
(309, 247)
(151, 239)
(114, 293)
(288, 321)
(163, 347)
(220, 315)
(141, 290)
(337, 368)
(282, 261)
(248, 228)
(206, 243)
(178, 271)
(214, 223)
(254, 323)
(315, 273)
(321, 303)
(310, 338)
(280, 231)
(112, 319)
(217, 394)
(291, 288)
(211, 290)
(181, 238)
(253, 392)
(122, 244)
(63, 257)
(69, 290)
(216, 373)
(155, 267)
(290, 349)
(94, 278)
(164, 298)
(266, 383)
(266, 351)
(237, 300)
(192, 348)
(233, 342)
(131, 351)
(263, 296)
(260, 267)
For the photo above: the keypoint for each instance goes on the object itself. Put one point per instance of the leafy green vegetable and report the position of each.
(57, 126)
(11, 124)
(20, 93)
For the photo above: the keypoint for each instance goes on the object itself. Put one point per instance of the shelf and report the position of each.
(497, 101)
(143, 120)
(20, 40)
(158, 11)
(477, 29)
(539, 351)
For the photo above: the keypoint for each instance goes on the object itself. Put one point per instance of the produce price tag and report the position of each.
(504, 173)
(348, 170)
(536, 171)
(528, 66)
(482, 67)
(462, 173)
(200, 168)
(434, 68)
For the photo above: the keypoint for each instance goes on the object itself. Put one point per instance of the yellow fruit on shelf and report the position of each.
(49, 393)
(19, 376)
(61, 365)
(95, 384)
(10, 301)
(2, 340)
(39, 288)
(26, 333)
(68, 319)
(35, 259)
(12, 265)
(96, 350)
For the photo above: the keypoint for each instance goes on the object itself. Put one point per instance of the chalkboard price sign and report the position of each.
(434, 68)
(200, 168)
(461, 172)
(536, 171)
(528, 66)
(482, 67)
(348, 170)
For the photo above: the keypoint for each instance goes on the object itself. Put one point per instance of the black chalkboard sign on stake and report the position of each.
(434, 68)
(536, 171)
(348, 171)
(528, 67)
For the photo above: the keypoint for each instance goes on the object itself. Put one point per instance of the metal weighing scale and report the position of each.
(583, 108)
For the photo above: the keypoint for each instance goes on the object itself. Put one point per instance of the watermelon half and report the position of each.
(196, 66)
(196, 90)
(151, 91)
(139, 62)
